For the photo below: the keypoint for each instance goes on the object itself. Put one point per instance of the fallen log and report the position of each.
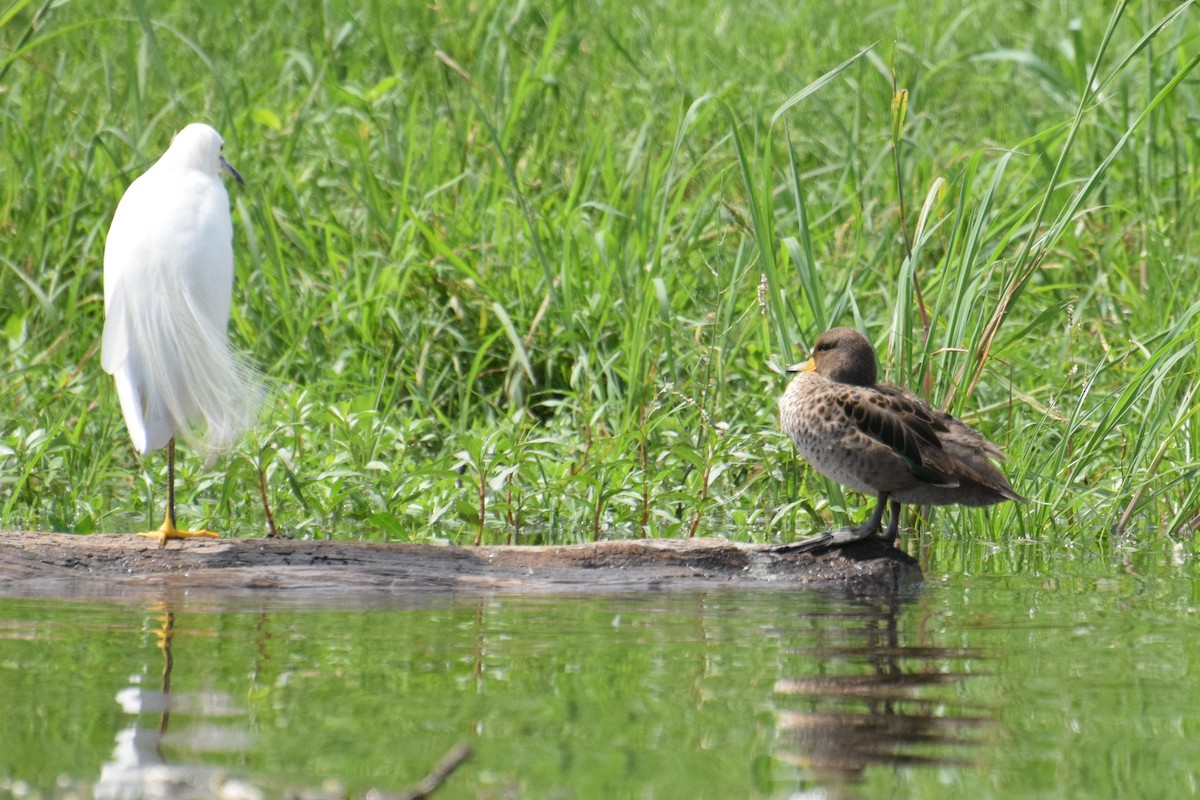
(108, 565)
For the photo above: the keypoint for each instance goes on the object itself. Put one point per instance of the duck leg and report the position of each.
(893, 529)
(843, 536)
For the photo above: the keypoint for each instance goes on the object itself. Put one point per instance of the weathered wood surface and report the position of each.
(104, 565)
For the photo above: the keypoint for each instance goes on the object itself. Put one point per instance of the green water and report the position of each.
(972, 687)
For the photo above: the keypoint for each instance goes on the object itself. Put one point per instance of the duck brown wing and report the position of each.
(903, 425)
(973, 455)
(968, 454)
(959, 434)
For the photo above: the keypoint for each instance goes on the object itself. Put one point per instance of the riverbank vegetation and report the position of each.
(526, 272)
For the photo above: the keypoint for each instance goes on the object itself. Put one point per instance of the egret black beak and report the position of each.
(228, 169)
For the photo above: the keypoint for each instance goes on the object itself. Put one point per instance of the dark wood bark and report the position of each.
(116, 566)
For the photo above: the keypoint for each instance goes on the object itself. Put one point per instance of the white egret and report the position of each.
(168, 284)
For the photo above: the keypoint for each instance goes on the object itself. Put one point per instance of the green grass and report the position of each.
(517, 271)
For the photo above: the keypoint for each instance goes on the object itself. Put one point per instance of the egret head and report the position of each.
(198, 146)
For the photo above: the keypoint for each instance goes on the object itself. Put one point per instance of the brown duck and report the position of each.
(881, 440)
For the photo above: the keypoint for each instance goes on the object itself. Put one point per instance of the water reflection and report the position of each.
(874, 700)
(169, 728)
(139, 769)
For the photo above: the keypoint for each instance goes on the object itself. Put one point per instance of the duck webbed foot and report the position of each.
(844, 536)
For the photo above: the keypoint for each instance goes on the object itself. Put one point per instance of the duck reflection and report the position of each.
(875, 700)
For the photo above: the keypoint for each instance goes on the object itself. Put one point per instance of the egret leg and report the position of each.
(841, 536)
(168, 529)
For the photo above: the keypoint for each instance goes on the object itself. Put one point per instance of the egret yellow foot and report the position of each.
(169, 531)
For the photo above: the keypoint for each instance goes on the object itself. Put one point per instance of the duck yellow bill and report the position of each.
(807, 366)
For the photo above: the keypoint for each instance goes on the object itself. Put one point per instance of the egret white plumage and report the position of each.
(168, 285)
